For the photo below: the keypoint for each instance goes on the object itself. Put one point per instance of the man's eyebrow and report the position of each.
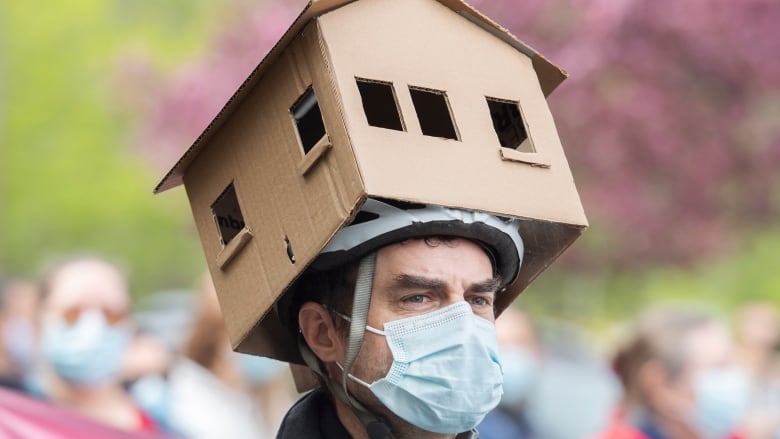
(486, 286)
(412, 281)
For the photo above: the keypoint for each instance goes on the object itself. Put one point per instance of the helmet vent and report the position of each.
(364, 217)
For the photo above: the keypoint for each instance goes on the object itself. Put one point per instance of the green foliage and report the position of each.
(67, 182)
(747, 274)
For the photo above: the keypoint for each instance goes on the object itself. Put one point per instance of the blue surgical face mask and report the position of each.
(520, 372)
(19, 342)
(259, 370)
(153, 394)
(88, 352)
(722, 397)
(445, 375)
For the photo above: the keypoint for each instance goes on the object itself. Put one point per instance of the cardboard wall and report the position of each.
(425, 44)
(292, 202)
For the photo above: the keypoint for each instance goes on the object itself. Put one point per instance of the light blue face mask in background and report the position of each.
(88, 352)
(152, 392)
(258, 370)
(722, 397)
(446, 374)
(18, 339)
(521, 371)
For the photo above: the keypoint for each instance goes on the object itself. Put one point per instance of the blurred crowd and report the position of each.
(75, 340)
(72, 340)
(676, 372)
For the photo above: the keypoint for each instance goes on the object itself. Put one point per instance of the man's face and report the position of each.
(705, 349)
(417, 277)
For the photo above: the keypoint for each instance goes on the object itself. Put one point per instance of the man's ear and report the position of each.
(319, 332)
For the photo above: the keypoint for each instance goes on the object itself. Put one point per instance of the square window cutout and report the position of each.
(227, 214)
(508, 124)
(308, 120)
(433, 112)
(379, 104)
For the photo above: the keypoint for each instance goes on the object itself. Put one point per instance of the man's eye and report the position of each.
(417, 298)
(480, 301)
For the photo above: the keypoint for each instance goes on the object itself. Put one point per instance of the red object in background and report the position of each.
(22, 417)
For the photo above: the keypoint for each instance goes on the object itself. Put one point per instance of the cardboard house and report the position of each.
(424, 101)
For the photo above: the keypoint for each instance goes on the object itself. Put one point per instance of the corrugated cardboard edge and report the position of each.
(550, 75)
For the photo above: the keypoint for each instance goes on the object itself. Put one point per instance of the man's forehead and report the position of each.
(92, 282)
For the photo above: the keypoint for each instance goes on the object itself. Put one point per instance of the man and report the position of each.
(681, 381)
(413, 353)
(85, 332)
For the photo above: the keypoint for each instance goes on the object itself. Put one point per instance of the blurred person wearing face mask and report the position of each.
(85, 332)
(680, 380)
(18, 310)
(519, 353)
(757, 326)
(144, 374)
(217, 393)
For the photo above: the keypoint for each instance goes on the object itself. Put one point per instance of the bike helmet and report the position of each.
(383, 222)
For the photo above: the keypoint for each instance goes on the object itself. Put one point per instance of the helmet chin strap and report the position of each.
(357, 325)
(375, 426)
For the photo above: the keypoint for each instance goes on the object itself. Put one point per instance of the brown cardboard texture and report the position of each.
(414, 100)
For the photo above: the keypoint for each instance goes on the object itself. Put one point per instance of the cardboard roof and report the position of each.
(550, 75)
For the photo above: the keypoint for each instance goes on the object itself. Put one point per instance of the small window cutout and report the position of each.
(308, 120)
(509, 126)
(433, 112)
(380, 105)
(227, 214)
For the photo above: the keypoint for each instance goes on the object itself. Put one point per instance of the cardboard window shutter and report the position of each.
(433, 112)
(509, 125)
(227, 214)
(379, 104)
(308, 120)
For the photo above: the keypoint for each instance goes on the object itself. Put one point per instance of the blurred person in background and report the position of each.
(757, 328)
(18, 313)
(681, 381)
(550, 369)
(144, 373)
(519, 354)
(218, 393)
(85, 333)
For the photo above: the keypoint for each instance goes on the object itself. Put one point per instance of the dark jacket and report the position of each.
(314, 417)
